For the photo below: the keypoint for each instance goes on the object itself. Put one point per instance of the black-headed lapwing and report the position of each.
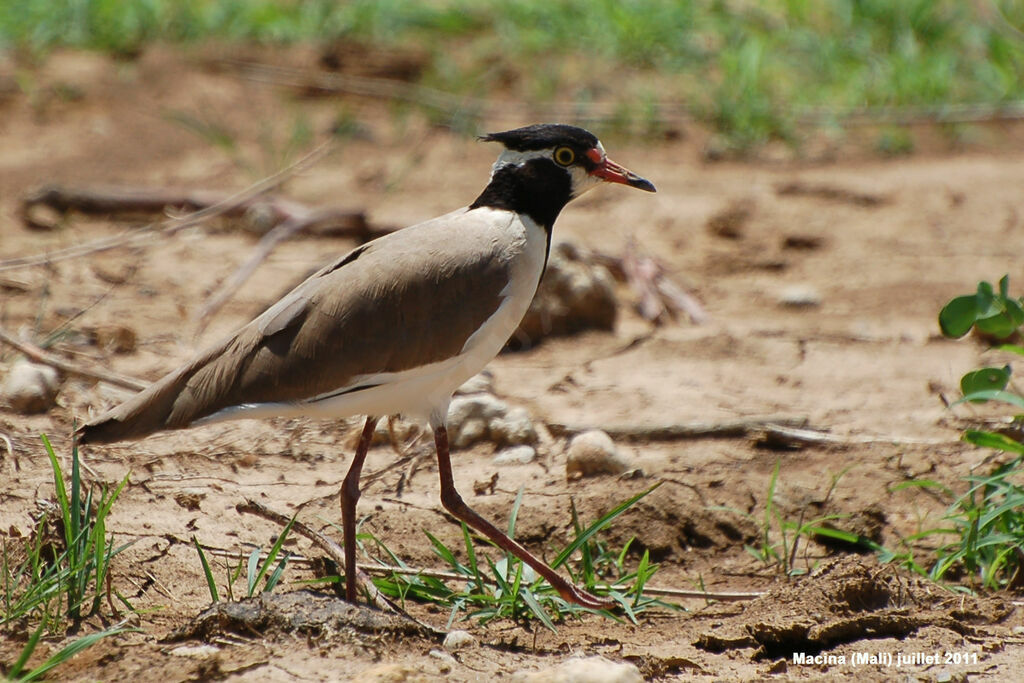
(395, 326)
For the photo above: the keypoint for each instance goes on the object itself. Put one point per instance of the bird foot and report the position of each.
(584, 598)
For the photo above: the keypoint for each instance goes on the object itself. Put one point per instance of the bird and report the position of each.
(394, 326)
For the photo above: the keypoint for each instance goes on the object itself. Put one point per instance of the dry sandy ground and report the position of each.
(881, 244)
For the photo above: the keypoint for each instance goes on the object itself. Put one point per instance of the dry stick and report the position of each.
(657, 293)
(337, 555)
(680, 430)
(40, 356)
(112, 201)
(779, 434)
(172, 225)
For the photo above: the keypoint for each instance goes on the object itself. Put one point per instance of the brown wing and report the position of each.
(404, 300)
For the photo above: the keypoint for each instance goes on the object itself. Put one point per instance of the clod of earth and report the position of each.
(299, 612)
(852, 601)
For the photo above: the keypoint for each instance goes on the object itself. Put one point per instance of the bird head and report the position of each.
(575, 150)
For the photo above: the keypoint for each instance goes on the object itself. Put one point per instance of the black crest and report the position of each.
(543, 136)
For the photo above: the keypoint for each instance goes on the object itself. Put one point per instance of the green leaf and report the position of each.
(250, 572)
(598, 525)
(70, 650)
(985, 379)
(994, 395)
(958, 316)
(1011, 348)
(210, 583)
(1001, 325)
(993, 440)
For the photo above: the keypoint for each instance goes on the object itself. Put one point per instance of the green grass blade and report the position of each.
(70, 650)
(271, 556)
(58, 487)
(515, 512)
(536, 609)
(471, 558)
(278, 572)
(26, 652)
(251, 569)
(598, 525)
(210, 583)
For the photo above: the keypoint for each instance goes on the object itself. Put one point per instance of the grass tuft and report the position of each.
(508, 589)
(60, 574)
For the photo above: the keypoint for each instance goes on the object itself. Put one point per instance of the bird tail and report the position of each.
(146, 412)
(168, 403)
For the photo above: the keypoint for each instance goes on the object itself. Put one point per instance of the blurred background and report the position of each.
(780, 77)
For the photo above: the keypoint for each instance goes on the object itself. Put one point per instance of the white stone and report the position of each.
(480, 383)
(30, 388)
(197, 651)
(588, 670)
(469, 417)
(515, 455)
(468, 433)
(594, 452)
(447, 662)
(458, 640)
(800, 296)
(513, 428)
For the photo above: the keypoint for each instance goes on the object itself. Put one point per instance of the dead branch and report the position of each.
(659, 298)
(681, 431)
(38, 355)
(796, 437)
(121, 202)
(172, 225)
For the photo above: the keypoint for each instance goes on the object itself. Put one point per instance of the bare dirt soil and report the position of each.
(872, 248)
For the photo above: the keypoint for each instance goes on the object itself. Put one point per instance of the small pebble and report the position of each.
(577, 670)
(469, 418)
(458, 640)
(198, 651)
(515, 455)
(800, 296)
(30, 388)
(592, 453)
(446, 661)
(513, 428)
(480, 383)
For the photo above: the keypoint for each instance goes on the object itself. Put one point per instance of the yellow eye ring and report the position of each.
(564, 156)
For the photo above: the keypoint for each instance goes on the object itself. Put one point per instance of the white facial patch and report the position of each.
(581, 181)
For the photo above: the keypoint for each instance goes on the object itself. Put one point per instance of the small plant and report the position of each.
(61, 573)
(509, 589)
(987, 521)
(255, 571)
(780, 537)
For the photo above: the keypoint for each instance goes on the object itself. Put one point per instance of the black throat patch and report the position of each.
(538, 188)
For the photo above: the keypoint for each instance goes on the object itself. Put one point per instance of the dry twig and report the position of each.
(38, 355)
(171, 225)
(683, 430)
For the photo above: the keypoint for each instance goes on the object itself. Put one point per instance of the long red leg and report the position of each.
(349, 498)
(453, 502)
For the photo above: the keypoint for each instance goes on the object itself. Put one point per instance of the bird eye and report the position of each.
(564, 156)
